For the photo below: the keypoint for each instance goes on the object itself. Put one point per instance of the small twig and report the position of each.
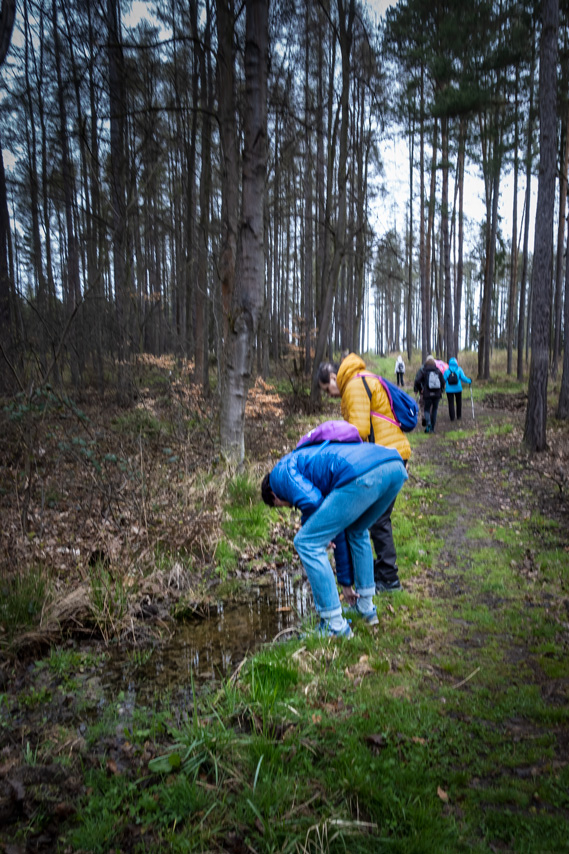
(235, 675)
(284, 632)
(474, 672)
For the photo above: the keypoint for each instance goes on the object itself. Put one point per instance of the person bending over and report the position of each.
(339, 488)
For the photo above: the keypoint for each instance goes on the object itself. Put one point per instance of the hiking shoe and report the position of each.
(371, 617)
(325, 630)
(387, 586)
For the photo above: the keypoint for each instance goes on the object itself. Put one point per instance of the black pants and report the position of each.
(431, 407)
(451, 395)
(385, 564)
(400, 378)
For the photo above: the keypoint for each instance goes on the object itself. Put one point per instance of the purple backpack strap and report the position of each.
(388, 393)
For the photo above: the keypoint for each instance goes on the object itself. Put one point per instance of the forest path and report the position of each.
(498, 584)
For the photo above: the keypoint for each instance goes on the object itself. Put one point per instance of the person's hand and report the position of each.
(349, 594)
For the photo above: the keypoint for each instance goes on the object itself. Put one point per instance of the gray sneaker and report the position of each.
(371, 617)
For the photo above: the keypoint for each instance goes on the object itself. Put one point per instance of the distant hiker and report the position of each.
(339, 488)
(453, 377)
(430, 382)
(400, 370)
(357, 407)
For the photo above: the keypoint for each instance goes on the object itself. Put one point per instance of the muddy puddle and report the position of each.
(207, 649)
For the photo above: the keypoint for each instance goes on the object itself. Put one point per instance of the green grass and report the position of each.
(22, 599)
(442, 730)
(498, 430)
(246, 523)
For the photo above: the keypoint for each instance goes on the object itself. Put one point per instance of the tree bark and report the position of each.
(247, 299)
(563, 404)
(346, 20)
(201, 328)
(536, 414)
(446, 283)
(529, 164)
(514, 254)
(118, 178)
(460, 263)
(564, 160)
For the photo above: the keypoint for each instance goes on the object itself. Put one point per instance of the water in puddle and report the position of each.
(207, 649)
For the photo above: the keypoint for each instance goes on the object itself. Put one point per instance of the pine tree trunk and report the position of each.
(514, 254)
(460, 263)
(563, 405)
(564, 159)
(346, 20)
(529, 164)
(536, 414)
(248, 295)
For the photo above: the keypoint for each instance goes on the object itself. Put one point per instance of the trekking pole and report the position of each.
(472, 401)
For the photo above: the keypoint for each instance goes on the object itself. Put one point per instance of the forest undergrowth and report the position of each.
(446, 728)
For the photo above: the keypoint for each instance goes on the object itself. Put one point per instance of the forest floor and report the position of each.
(483, 538)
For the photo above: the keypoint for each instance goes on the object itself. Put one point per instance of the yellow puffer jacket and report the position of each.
(356, 407)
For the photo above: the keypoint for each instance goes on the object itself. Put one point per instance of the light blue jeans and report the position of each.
(352, 509)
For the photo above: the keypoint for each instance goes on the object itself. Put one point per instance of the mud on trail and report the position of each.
(483, 492)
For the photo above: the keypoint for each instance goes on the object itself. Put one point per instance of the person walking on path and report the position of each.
(364, 403)
(429, 380)
(340, 488)
(400, 370)
(454, 376)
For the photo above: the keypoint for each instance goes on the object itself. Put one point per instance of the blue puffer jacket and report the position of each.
(306, 476)
(453, 366)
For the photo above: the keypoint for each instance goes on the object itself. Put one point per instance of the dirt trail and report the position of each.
(490, 489)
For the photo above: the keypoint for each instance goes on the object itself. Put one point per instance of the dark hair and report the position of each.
(324, 371)
(267, 493)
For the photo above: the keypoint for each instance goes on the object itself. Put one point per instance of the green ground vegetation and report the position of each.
(444, 729)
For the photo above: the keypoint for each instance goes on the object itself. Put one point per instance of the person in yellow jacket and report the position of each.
(365, 404)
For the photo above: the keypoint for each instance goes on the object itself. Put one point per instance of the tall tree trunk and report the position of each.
(361, 182)
(514, 254)
(527, 205)
(430, 240)
(73, 289)
(409, 325)
(563, 404)
(248, 295)
(564, 160)
(423, 251)
(201, 329)
(536, 414)
(308, 202)
(229, 164)
(7, 374)
(447, 318)
(460, 262)
(491, 264)
(346, 20)
(117, 105)
(190, 194)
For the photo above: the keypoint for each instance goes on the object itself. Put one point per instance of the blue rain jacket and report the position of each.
(306, 476)
(453, 366)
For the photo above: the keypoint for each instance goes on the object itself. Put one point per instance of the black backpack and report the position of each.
(452, 378)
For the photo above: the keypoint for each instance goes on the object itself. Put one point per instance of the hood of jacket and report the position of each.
(351, 365)
(453, 364)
